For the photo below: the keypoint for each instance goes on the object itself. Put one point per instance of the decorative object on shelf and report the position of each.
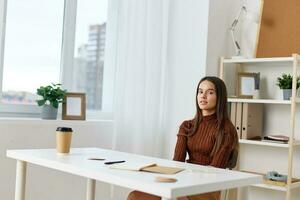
(278, 183)
(285, 83)
(51, 96)
(276, 138)
(74, 106)
(247, 15)
(275, 176)
(256, 94)
(246, 84)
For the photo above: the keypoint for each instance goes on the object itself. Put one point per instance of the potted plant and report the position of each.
(285, 83)
(51, 96)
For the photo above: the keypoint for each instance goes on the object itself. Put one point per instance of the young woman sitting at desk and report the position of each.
(209, 138)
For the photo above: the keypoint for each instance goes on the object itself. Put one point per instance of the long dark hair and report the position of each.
(221, 110)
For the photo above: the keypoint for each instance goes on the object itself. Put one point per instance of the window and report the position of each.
(51, 41)
(89, 51)
(32, 48)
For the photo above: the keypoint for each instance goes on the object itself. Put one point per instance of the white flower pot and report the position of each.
(49, 112)
(287, 93)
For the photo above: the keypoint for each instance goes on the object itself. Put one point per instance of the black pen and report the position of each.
(114, 162)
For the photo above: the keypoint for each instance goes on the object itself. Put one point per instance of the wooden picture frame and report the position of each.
(245, 85)
(74, 106)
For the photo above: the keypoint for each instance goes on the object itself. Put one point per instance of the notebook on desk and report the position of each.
(146, 167)
(162, 169)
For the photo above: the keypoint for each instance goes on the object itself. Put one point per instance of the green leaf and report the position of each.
(55, 104)
(286, 81)
(52, 93)
(41, 102)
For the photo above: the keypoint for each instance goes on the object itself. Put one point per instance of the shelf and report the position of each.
(295, 185)
(278, 188)
(271, 144)
(267, 101)
(288, 104)
(255, 142)
(271, 187)
(258, 60)
(297, 143)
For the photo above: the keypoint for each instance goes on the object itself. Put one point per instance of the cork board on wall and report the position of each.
(279, 34)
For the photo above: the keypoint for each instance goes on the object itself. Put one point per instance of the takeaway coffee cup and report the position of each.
(63, 139)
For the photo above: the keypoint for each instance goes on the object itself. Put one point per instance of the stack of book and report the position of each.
(146, 167)
(278, 183)
(272, 182)
(276, 138)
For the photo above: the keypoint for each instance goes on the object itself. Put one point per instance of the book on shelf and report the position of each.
(272, 182)
(276, 138)
(278, 183)
(274, 141)
(146, 167)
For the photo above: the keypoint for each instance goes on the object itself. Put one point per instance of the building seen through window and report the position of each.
(89, 65)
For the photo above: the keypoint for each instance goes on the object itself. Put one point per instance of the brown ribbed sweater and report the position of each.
(199, 145)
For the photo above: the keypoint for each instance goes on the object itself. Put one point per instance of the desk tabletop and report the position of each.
(195, 179)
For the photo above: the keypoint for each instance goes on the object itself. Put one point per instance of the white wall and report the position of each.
(219, 43)
(43, 183)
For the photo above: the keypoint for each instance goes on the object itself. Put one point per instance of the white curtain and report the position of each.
(140, 76)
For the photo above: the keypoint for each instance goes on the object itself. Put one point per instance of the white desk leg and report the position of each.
(20, 180)
(90, 190)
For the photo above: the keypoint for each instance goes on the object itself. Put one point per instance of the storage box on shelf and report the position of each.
(291, 104)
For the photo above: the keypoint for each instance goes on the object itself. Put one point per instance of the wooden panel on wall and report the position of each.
(279, 33)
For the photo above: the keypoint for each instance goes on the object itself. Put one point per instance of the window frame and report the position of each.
(3, 8)
(66, 64)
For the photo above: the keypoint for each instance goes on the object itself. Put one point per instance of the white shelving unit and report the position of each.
(261, 143)
(258, 60)
(271, 187)
(266, 101)
(291, 103)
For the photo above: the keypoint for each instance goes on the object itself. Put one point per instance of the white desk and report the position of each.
(194, 180)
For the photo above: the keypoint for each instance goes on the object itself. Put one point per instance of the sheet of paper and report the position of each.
(132, 165)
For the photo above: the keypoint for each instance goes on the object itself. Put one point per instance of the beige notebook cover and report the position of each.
(162, 169)
(146, 167)
(134, 166)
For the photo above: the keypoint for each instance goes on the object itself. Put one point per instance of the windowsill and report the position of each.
(57, 121)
